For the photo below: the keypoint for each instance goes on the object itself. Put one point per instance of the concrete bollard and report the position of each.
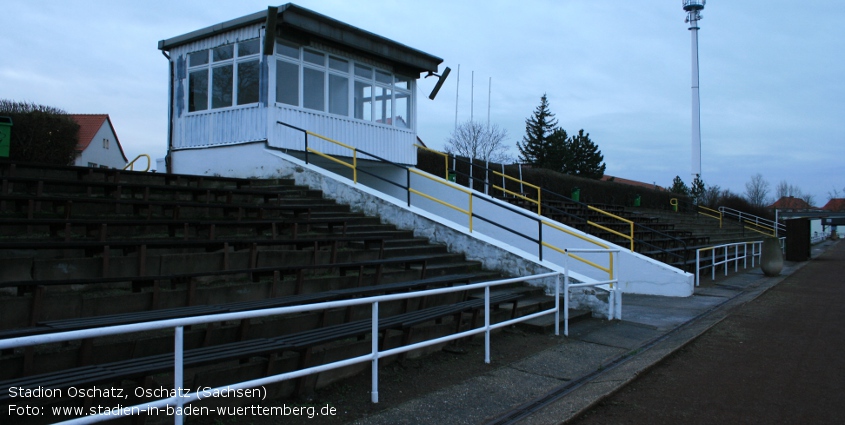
(771, 257)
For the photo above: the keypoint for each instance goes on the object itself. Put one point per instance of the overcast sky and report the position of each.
(772, 74)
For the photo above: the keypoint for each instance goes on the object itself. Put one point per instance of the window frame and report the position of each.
(396, 91)
(209, 65)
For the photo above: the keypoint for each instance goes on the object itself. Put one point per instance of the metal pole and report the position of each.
(557, 305)
(178, 377)
(374, 392)
(565, 293)
(487, 324)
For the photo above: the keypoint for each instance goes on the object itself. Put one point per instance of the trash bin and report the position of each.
(5, 136)
(576, 194)
(451, 176)
(637, 200)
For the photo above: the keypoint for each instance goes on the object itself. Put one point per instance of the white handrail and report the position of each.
(614, 300)
(179, 324)
(756, 250)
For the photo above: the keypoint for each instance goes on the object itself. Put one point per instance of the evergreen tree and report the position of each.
(536, 146)
(679, 187)
(583, 157)
(697, 189)
(558, 150)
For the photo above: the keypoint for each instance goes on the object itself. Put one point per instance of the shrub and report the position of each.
(40, 133)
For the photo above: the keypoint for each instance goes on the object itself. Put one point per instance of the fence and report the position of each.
(726, 258)
(178, 402)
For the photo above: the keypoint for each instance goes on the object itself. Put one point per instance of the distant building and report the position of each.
(791, 203)
(98, 144)
(835, 205)
(233, 83)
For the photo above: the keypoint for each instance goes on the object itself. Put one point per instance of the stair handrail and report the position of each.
(541, 205)
(471, 213)
(753, 222)
(131, 165)
(710, 212)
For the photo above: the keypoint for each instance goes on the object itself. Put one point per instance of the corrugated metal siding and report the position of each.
(240, 34)
(387, 142)
(221, 127)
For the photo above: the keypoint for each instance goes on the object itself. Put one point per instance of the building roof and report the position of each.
(631, 182)
(89, 125)
(296, 21)
(790, 203)
(835, 204)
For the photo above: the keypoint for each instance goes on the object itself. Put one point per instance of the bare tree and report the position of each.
(785, 190)
(711, 196)
(808, 198)
(478, 141)
(757, 190)
(834, 193)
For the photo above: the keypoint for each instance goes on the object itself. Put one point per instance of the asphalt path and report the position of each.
(780, 359)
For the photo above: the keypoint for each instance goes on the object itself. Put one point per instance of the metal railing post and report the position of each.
(697, 267)
(374, 391)
(487, 324)
(557, 305)
(178, 372)
(566, 292)
(408, 186)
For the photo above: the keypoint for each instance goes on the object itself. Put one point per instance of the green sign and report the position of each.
(5, 136)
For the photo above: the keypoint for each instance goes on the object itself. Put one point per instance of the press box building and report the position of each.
(239, 88)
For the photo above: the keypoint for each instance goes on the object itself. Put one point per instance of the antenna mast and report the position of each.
(693, 9)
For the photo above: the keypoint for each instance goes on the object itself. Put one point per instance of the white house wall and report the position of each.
(95, 152)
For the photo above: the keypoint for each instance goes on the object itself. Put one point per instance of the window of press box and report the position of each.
(224, 76)
(327, 83)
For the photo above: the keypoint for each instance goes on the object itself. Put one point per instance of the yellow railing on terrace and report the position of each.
(131, 165)
(469, 210)
(608, 269)
(630, 223)
(759, 228)
(445, 159)
(520, 195)
(709, 212)
(353, 165)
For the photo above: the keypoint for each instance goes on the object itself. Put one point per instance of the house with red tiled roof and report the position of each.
(791, 203)
(98, 144)
(835, 204)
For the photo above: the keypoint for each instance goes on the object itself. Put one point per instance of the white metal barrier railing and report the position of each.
(726, 257)
(614, 300)
(177, 403)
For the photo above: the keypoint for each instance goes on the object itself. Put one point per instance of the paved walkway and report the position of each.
(600, 357)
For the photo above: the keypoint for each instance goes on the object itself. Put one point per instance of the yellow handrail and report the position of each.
(468, 211)
(766, 230)
(519, 195)
(353, 166)
(131, 164)
(445, 159)
(608, 270)
(629, 222)
(718, 215)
